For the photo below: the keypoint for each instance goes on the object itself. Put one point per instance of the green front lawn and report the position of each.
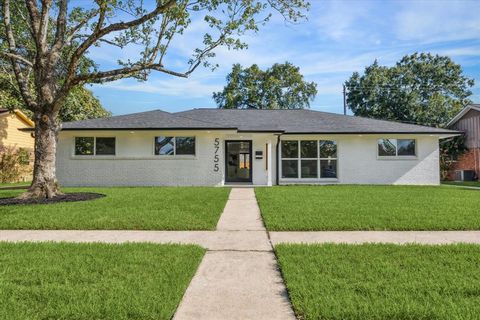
(145, 208)
(15, 184)
(94, 281)
(355, 207)
(375, 281)
(463, 183)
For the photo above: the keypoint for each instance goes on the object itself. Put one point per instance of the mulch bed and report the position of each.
(67, 197)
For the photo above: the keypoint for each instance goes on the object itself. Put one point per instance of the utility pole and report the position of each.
(344, 100)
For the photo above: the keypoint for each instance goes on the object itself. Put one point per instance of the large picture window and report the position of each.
(99, 146)
(396, 148)
(174, 145)
(308, 159)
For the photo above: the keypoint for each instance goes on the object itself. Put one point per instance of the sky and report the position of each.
(339, 38)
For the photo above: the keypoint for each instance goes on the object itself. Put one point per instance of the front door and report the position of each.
(238, 161)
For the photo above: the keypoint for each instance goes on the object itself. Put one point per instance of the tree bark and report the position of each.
(44, 184)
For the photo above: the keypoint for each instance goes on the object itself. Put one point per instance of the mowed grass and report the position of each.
(15, 184)
(94, 281)
(463, 183)
(360, 207)
(380, 281)
(145, 208)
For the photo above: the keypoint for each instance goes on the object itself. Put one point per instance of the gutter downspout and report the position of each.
(277, 170)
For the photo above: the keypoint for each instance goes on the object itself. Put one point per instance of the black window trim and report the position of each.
(94, 147)
(175, 147)
(396, 156)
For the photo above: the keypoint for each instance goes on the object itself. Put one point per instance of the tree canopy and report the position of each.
(80, 104)
(49, 41)
(421, 88)
(280, 87)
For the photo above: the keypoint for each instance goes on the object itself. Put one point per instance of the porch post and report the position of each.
(269, 163)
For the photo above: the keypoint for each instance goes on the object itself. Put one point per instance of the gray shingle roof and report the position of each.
(286, 121)
(156, 119)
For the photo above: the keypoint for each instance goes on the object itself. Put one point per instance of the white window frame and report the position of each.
(94, 147)
(299, 161)
(175, 147)
(396, 156)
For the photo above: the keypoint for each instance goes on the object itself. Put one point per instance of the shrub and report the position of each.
(450, 150)
(14, 164)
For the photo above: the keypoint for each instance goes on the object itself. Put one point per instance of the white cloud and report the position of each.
(338, 20)
(471, 51)
(168, 87)
(438, 21)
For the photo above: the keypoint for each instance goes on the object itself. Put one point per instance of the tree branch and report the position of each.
(34, 14)
(61, 27)
(21, 81)
(43, 28)
(16, 57)
(71, 33)
(120, 73)
(100, 32)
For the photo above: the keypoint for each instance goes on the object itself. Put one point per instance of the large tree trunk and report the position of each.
(44, 184)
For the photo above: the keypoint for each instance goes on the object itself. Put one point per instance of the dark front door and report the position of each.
(238, 161)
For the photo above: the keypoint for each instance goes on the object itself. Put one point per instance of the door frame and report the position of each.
(250, 142)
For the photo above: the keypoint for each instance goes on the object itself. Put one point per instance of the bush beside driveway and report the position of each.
(362, 207)
(142, 208)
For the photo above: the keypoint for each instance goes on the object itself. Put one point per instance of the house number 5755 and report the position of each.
(216, 158)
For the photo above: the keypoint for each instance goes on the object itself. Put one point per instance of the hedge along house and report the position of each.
(261, 147)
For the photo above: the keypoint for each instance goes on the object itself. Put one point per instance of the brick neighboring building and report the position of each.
(468, 121)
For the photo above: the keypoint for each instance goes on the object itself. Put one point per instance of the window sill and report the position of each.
(397, 158)
(133, 158)
(308, 180)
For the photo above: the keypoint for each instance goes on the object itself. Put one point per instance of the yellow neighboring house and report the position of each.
(11, 134)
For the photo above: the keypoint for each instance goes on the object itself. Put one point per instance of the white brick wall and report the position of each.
(136, 165)
(358, 162)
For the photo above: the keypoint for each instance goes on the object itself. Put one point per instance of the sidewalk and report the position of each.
(357, 237)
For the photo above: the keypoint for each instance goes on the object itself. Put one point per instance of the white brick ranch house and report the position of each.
(216, 147)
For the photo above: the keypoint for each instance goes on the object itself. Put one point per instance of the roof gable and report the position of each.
(462, 113)
(22, 116)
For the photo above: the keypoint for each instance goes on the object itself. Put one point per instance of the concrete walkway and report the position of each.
(233, 284)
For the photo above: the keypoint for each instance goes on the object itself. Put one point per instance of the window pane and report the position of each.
(185, 145)
(309, 168)
(105, 146)
(308, 149)
(328, 168)
(328, 149)
(163, 145)
(289, 149)
(386, 147)
(84, 145)
(406, 147)
(289, 168)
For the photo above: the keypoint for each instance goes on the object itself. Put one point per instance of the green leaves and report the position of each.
(80, 104)
(279, 87)
(421, 88)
